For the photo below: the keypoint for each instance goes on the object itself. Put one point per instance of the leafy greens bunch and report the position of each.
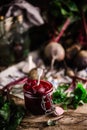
(70, 99)
(10, 114)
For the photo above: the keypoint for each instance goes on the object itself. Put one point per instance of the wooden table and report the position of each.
(71, 120)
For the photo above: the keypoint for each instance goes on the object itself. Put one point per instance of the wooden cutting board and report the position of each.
(71, 120)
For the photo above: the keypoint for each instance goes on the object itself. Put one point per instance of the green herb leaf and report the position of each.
(5, 111)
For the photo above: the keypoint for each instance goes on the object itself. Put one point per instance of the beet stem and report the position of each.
(83, 19)
(66, 24)
(18, 81)
(84, 24)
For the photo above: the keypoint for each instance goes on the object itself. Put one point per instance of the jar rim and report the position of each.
(43, 81)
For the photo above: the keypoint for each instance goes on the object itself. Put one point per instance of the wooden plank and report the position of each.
(71, 120)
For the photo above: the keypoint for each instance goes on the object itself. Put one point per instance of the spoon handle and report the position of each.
(39, 73)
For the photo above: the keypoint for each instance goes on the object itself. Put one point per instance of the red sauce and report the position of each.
(38, 98)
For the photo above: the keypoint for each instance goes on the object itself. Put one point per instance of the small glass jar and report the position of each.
(5, 56)
(38, 98)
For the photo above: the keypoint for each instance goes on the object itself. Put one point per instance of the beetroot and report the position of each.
(72, 51)
(54, 51)
(81, 59)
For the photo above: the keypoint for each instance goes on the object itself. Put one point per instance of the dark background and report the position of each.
(38, 34)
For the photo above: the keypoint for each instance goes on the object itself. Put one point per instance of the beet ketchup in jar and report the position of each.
(38, 98)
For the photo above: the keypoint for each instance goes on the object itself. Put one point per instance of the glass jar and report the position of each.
(38, 99)
(20, 40)
(5, 41)
(5, 58)
(19, 47)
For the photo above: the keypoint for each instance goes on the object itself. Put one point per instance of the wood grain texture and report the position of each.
(71, 120)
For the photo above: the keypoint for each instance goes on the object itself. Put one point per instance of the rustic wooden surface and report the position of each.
(71, 120)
